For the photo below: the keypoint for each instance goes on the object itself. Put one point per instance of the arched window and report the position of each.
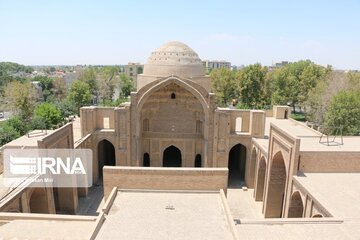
(173, 96)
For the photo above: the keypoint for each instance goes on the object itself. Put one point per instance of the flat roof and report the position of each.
(339, 193)
(310, 138)
(350, 144)
(263, 143)
(31, 139)
(299, 231)
(46, 229)
(166, 215)
(292, 127)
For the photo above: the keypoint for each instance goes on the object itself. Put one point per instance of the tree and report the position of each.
(46, 83)
(292, 82)
(49, 113)
(223, 85)
(126, 86)
(107, 83)
(251, 85)
(59, 89)
(66, 108)
(344, 111)
(21, 98)
(17, 124)
(79, 94)
(7, 134)
(88, 76)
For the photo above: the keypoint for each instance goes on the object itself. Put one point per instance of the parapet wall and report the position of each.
(331, 162)
(206, 179)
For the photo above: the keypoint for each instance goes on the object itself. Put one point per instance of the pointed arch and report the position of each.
(172, 157)
(296, 208)
(276, 187)
(260, 183)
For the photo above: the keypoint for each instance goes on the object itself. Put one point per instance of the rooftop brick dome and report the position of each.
(174, 58)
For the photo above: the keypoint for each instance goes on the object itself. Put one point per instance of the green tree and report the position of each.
(46, 83)
(344, 111)
(49, 113)
(251, 85)
(37, 123)
(66, 108)
(291, 83)
(223, 85)
(79, 94)
(59, 89)
(21, 98)
(18, 125)
(88, 76)
(107, 82)
(126, 86)
(7, 134)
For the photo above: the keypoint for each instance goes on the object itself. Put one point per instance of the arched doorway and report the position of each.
(236, 165)
(146, 160)
(38, 201)
(251, 182)
(197, 160)
(106, 155)
(276, 188)
(296, 208)
(259, 190)
(172, 157)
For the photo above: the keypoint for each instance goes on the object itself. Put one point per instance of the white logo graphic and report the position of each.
(58, 167)
(41, 165)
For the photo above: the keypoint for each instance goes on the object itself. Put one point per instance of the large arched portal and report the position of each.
(172, 109)
(106, 155)
(259, 189)
(236, 165)
(276, 188)
(172, 157)
(296, 208)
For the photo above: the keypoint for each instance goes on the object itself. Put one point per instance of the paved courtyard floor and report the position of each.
(92, 203)
(241, 201)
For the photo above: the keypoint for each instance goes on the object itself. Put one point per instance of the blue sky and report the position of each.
(243, 32)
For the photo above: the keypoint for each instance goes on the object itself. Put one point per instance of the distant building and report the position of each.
(209, 65)
(280, 64)
(132, 70)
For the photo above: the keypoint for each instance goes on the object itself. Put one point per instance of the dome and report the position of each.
(174, 58)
